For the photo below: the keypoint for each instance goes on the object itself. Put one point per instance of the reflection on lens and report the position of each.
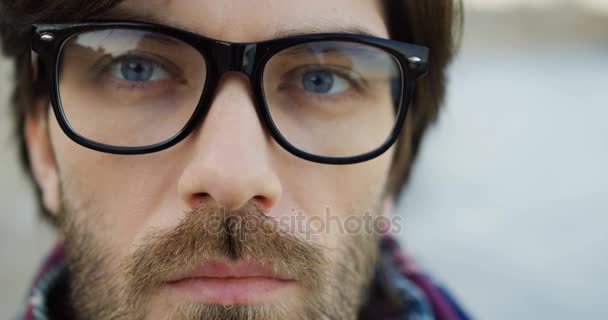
(129, 88)
(333, 98)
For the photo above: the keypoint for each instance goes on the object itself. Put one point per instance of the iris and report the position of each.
(318, 81)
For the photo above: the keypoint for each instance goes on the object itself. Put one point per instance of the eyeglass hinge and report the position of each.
(47, 37)
(414, 60)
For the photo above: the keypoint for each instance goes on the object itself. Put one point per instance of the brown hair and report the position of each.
(431, 23)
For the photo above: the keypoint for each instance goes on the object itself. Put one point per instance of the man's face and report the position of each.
(191, 232)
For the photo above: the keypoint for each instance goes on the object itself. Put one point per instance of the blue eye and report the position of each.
(138, 70)
(323, 82)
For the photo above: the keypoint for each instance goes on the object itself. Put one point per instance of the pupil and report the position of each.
(318, 81)
(137, 71)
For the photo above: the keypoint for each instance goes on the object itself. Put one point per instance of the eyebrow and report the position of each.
(121, 13)
(354, 29)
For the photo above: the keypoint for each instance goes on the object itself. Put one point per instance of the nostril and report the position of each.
(198, 199)
(264, 203)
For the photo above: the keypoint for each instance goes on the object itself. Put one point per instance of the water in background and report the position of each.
(507, 204)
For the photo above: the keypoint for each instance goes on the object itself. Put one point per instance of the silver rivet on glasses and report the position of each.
(47, 37)
(414, 60)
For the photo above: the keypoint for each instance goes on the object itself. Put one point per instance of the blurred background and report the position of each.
(508, 205)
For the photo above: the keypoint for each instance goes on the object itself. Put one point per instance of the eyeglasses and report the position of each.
(135, 88)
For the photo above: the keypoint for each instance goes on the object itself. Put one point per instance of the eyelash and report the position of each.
(343, 73)
(104, 66)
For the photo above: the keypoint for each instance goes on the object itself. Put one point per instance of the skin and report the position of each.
(229, 160)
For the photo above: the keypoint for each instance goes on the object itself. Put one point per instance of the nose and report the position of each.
(230, 160)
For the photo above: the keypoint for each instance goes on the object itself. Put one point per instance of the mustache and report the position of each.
(210, 232)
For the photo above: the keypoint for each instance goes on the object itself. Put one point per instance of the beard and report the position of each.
(331, 281)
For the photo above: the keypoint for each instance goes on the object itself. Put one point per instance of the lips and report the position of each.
(220, 282)
(221, 269)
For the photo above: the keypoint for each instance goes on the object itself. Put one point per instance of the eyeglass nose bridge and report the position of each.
(238, 57)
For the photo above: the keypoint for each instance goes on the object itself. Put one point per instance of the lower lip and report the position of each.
(228, 291)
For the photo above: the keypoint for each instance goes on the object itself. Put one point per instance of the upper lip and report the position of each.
(220, 269)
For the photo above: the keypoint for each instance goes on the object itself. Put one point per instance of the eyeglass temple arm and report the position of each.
(34, 65)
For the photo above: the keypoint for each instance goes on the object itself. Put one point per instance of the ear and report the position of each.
(41, 156)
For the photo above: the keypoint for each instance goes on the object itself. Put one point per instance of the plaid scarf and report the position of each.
(400, 291)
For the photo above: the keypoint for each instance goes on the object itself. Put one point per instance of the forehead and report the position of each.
(247, 20)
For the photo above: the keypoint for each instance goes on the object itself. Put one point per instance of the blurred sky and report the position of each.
(507, 204)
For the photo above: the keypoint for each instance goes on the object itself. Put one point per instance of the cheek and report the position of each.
(313, 187)
(119, 196)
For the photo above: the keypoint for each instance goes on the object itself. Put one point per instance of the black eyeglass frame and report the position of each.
(48, 40)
